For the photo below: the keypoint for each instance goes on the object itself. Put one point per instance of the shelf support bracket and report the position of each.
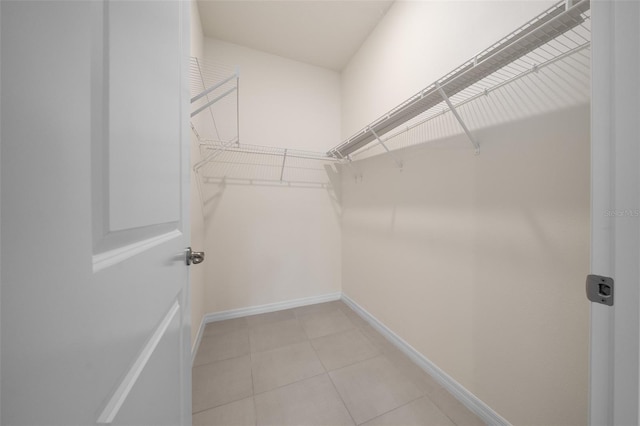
(205, 92)
(208, 104)
(457, 116)
(284, 159)
(343, 158)
(398, 162)
(214, 154)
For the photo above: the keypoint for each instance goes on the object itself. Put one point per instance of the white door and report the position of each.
(95, 314)
(615, 231)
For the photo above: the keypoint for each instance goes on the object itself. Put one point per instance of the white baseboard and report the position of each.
(196, 344)
(260, 309)
(472, 402)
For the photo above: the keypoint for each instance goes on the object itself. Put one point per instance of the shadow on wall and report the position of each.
(517, 174)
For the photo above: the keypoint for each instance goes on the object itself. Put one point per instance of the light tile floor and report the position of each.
(315, 365)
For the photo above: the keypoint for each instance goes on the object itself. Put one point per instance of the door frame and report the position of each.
(615, 209)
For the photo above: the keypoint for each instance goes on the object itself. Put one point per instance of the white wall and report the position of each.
(418, 42)
(264, 243)
(478, 262)
(197, 272)
(283, 103)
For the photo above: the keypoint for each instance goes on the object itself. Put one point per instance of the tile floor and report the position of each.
(315, 365)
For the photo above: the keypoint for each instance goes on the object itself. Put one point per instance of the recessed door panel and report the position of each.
(143, 113)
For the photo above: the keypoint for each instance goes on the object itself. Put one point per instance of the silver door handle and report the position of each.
(194, 257)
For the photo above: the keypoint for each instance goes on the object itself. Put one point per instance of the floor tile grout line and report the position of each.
(221, 405)
(327, 371)
(288, 384)
(253, 390)
(219, 360)
(334, 386)
(354, 363)
(393, 409)
(344, 404)
(341, 399)
(381, 352)
(255, 412)
(384, 353)
(442, 410)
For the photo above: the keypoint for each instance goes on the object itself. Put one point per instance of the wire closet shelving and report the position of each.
(224, 157)
(556, 42)
(559, 37)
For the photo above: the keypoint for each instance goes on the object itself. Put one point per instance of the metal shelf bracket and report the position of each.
(457, 116)
(398, 162)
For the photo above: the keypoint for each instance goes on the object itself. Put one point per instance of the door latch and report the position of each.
(600, 289)
(194, 257)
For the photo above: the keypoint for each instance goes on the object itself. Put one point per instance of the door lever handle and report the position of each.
(194, 257)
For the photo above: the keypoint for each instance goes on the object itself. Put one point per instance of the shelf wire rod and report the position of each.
(206, 91)
(457, 116)
(504, 73)
(208, 105)
(398, 162)
(199, 184)
(284, 160)
(195, 132)
(279, 152)
(559, 41)
(238, 105)
(579, 34)
(215, 153)
(215, 126)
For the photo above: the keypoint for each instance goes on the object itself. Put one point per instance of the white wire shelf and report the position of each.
(215, 87)
(214, 101)
(244, 163)
(560, 34)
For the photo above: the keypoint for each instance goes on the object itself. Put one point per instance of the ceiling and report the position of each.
(326, 33)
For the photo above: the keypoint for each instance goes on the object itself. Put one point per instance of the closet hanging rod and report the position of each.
(278, 152)
(555, 21)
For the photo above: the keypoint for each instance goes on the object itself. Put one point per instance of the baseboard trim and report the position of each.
(472, 402)
(260, 309)
(196, 344)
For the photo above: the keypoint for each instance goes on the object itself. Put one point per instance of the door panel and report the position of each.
(143, 407)
(94, 282)
(143, 59)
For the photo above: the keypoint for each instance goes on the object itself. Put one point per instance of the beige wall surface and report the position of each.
(197, 276)
(479, 261)
(271, 242)
(283, 103)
